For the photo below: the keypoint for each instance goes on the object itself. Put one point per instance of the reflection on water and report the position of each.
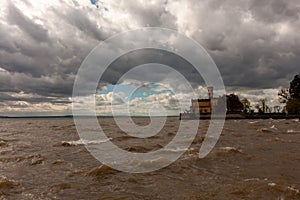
(254, 159)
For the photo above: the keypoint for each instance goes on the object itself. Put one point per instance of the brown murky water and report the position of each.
(254, 159)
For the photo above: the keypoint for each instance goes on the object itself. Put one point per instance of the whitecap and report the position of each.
(291, 131)
(293, 189)
(2, 143)
(83, 142)
(252, 179)
(272, 184)
(178, 150)
(230, 149)
(273, 127)
(265, 130)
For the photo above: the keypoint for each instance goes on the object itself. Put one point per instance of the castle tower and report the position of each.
(210, 92)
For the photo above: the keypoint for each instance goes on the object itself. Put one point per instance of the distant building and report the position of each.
(204, 106)
(210, 92)
(201, 106)
(203, 109)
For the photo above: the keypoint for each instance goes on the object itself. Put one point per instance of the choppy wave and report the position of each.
(253, 122)
(229, 149)
(6, 183)
(252, 159)
(291, 131)
(274, 127)
(265, 130)
(33, 158)
(179, 150)
(3, 143)
(83, 142)
(100, 170)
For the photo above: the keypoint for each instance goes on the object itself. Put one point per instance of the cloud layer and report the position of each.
(255, 44)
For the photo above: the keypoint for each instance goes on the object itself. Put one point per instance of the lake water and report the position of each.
(253, 159)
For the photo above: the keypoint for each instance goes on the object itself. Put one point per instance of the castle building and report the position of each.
(204, 106)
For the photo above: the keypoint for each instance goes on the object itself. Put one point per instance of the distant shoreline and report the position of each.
(188, 117)
(34, 117)
(239, 116)
(71, 116)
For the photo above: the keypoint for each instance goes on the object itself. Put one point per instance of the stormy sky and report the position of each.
(254, 43)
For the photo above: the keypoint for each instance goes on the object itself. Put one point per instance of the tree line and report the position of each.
(289, 97)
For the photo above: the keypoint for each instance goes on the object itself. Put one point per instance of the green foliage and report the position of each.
(291, 96)
(295, 88)
(284, 95)
(262, 106)
(246, 103)
(293, 106)
(233, 103)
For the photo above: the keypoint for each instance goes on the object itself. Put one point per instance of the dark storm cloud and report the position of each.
(254, 43)
(33, 100)
(272, 11)
(140, 57)
(37, 32)
(37, 61)
(79, 19)
(54, 86)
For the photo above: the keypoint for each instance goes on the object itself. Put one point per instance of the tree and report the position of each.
(233, 103)
(262, 106)
(295, 88)
(276, 109)
(258, 107)
(293, 106)
(246, 104)
(291, 96)
(284, 95)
